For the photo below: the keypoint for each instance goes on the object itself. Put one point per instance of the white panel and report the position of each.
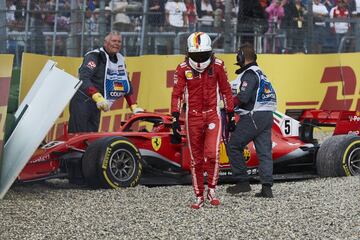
(39, 80)
(45, 105)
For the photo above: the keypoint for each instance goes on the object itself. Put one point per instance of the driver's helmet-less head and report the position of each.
(199, 51)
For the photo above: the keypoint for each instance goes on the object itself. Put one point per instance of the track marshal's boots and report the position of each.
(240, 187)
(265, 192)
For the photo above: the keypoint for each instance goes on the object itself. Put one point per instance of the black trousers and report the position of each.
(84, 115)
(257, 128)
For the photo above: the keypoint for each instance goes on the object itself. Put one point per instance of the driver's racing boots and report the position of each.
(212, 198)
(198, 203)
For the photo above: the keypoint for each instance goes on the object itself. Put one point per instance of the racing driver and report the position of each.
(201, 81)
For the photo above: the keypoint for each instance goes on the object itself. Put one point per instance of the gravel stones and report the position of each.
(313, 209)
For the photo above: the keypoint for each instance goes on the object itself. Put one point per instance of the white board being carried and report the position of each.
(35, 116)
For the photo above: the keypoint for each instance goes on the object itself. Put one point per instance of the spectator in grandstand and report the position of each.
(20, 14)
(340, 11)
(38, 26)
(156, 17)
(319, 31)
(264, 3)
(175, 20)
(191, 14)
(105, 80)
(219, 12)
(156, 21)
(107, 15)
(354, 7)
(176, 16)
(251, 20)
(205, 12)
(294, 23)
(39, 16)
(50, 16)
(275, 12)
(65, 8)
(17, 41)
(91, 21)
(10, 25)
(122, 22)
(329, 4)
(10, 13)
(203, 77)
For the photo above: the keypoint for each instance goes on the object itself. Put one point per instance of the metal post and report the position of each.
(357, 34)
(3, 32)
(102, 21)
(144, 23)
(27, 24)
(72, 43)
(83, 11)
(55, 27)
(112, 18)
(310, 26)
(177, 44)
(227, 30)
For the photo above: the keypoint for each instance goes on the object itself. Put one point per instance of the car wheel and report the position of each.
(339, 156)
(112, 162)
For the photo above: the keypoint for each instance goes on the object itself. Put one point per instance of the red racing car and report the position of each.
(142, 152)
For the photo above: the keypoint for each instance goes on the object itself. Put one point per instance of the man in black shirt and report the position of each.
(255, 102)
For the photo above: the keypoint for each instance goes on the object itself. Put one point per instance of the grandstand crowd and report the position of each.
(282, 24)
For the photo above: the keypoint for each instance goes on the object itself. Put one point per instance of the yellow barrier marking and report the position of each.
(6, 65)
(2, 121)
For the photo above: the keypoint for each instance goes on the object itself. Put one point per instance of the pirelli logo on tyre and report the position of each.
(107, 157)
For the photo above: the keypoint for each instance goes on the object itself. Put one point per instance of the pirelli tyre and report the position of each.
(339, 156)
(112, 162)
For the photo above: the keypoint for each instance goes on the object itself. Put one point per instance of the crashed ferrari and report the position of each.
(141, 151)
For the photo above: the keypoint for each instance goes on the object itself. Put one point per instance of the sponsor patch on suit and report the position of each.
(189, 75)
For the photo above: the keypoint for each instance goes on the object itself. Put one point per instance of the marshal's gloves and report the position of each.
(231, 125)
(176, 137)
(101, 102)
(135, 109)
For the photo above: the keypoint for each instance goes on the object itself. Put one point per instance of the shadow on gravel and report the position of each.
(51, 184)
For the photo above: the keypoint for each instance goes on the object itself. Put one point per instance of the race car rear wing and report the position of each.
(344, 122)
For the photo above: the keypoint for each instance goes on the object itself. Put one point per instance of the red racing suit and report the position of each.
(202, 93)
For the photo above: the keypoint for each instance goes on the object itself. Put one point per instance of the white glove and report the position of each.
(135, 109)
(138, 110)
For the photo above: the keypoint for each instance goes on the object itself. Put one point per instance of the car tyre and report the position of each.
(339, 156)
(112, 162)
